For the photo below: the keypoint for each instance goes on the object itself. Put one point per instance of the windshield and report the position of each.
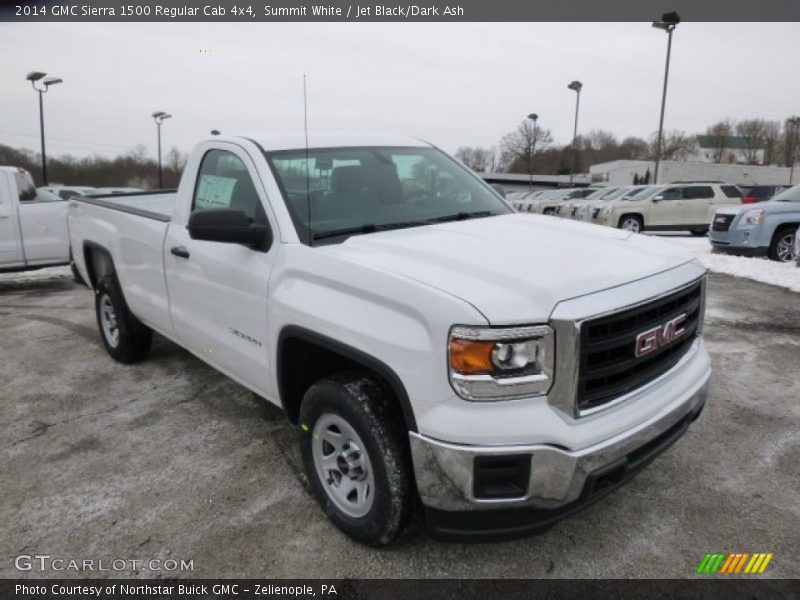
(645, 193)
(630, 192)
(363, 190)
(611, 194)
(790, 195)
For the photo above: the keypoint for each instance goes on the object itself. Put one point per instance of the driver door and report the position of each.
(667, 208)
(218, 291)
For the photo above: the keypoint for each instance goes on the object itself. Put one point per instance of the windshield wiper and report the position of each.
(462, 216)
(366, 228)
(373, 228)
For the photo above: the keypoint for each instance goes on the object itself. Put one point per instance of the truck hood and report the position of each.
(514, 268)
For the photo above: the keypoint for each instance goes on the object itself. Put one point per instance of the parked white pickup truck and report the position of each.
(431, 344)
(33, 225)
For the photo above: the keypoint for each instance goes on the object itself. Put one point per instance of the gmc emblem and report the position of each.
(659, 336)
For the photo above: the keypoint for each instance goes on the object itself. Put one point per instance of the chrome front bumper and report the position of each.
(444, 472)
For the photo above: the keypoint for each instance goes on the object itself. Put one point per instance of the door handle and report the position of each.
(179, 251)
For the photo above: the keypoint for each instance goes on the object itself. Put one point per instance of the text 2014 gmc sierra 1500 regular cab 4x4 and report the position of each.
(431, 344)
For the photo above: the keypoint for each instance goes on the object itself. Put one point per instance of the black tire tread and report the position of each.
(135, 337)
(368, 404)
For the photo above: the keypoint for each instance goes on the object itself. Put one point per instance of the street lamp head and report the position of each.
(159, 113)
(533, 116)
(166, 116)
(668, 21)
(575, 85)
(34, 76)
(52, 81)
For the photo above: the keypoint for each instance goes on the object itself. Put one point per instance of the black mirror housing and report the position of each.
(229, 226)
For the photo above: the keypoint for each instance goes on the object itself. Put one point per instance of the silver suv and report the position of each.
(686, 206)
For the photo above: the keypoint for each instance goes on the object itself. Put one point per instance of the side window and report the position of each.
(25, 185)
(670, 194)
(224, 182)
(731, 191)
(698, 192)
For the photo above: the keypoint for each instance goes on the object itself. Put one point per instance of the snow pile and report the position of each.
(785, 275)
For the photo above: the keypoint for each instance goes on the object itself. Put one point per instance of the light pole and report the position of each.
(33, 77)
(533, 117)
(794, 122)
(159, 117)
(668, 23)
(577, 86)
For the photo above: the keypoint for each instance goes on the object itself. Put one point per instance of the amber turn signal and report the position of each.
(470, 356)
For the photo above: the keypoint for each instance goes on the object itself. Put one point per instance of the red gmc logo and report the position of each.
(661, 335)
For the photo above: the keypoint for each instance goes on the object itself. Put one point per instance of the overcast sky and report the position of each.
(452, 84)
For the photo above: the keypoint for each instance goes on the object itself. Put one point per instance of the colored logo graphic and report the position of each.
(735, 562)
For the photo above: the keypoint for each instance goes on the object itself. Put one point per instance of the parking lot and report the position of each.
(170, 459)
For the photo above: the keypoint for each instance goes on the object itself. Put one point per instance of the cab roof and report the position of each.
(295, 140)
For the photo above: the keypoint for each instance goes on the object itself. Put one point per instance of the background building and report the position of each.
(625, 172)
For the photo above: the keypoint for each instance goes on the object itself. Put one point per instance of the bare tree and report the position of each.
(477, 158)
(675, 145)
(752, 130)
(521, 144)
(791, 140)
(633, 148)
(772, 141)
(719, 135)
(601, 146)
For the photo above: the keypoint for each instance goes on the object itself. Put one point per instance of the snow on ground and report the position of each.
(786, 275)
(38, 274)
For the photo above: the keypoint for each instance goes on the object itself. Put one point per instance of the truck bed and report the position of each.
(131, 229)
(154, 205)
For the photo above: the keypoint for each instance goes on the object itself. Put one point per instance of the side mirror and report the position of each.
(229, 226)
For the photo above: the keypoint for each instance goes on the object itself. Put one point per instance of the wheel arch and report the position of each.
(98, 262)
(317, 356)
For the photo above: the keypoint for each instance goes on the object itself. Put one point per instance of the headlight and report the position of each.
(753, 217)
(500, 364)
(605, 211)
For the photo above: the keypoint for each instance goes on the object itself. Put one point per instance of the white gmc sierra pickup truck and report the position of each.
(430, 344)
(33, 224)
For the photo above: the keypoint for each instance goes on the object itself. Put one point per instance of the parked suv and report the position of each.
(686, 207)
(766, 230)
(550, 206)
(567, 209)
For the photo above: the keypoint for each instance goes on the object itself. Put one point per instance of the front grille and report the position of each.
(722, 222)
(609, 367)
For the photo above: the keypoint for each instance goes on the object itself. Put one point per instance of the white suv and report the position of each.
(687, 206)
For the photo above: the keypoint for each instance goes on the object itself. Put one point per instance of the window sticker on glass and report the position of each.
(214, 191)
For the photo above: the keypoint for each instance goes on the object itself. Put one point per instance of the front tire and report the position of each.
(631, 223)
(699, 232)
(782, 247)
(356, 456)
(126, 339)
